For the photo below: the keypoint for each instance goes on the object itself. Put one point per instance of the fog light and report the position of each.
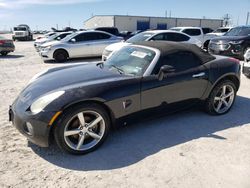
(28, 128)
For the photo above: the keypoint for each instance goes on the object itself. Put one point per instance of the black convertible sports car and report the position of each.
(78, 104)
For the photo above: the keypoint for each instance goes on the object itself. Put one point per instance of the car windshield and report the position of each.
(140, 37)
(131, 60)
(239, 31)
(221, 30)
(68, 37)
(19, 29)
(49, 34)
(53, 36)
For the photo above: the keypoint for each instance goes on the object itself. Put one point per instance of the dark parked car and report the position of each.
(6, 46)
(234, 43)
(78, 104)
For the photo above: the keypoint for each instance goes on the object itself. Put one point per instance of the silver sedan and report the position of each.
(79, 44)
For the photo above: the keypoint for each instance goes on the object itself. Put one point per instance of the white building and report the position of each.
(132, 23)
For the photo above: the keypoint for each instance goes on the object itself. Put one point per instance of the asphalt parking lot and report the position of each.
(187, 149)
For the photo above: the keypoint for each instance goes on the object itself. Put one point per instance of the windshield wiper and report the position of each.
(118, 69)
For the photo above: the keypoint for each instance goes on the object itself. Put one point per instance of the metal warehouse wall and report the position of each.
(129, 23)
(99, 21)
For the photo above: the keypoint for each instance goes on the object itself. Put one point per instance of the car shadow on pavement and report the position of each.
(10, 56)
(133, 143)
(75, 60)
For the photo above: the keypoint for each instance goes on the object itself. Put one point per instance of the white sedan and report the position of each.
(79, 44)
(154, 35)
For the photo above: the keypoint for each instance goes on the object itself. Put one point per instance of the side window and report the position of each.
(80, 37)
(158, 37)
(192, 32)
(176, 37)
(103, 36)
(180, 61)
(91, 36)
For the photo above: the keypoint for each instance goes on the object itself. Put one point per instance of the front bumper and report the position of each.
(34, 127)
(7, 49)
(46, 54)
(246, 69)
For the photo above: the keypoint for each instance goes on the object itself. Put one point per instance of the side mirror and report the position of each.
(73, 40)
(164, 70)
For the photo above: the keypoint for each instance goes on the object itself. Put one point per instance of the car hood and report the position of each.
(41, 40)
(116, 46)
(50, 43)
(228, 38)
(68, 78)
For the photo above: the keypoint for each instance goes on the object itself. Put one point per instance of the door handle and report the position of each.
(199, 75)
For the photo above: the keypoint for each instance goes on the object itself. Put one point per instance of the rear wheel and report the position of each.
(205, 45)
(221, 98)
(82, 129)
(60, 56)
(4, 53)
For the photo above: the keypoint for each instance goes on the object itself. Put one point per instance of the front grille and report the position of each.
(19, 33)
(219, 46)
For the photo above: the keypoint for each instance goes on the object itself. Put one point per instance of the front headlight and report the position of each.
(42, 102)
(47, 48)
(236, 42)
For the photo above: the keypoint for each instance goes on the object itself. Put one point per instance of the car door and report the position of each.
(100, 42)
(187, 83)
(80, 45)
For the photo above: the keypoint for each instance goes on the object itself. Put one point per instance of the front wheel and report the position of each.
(60, 56)
(221, 98)
(82, 129)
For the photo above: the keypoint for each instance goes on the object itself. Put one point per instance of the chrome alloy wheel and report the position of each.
(84, 130)
(224, 98)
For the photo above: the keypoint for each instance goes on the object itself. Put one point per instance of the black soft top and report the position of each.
(167, 48)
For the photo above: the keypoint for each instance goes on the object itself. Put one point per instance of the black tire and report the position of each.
(64, 120)
(60, 56)
(205, 45)
(4, 53)
(210, 102)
